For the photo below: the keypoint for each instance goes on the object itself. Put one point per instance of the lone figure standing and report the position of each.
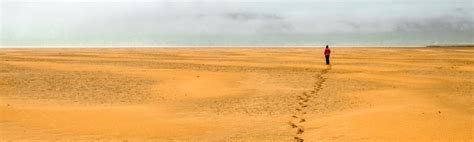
(327, 52)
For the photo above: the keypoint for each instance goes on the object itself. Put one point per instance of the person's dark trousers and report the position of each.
(327, 59)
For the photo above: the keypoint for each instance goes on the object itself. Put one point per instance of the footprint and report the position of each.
(307, 95)
(302, 120)
(300, 131)
(298, 139)
(300, 98)
(292, 125)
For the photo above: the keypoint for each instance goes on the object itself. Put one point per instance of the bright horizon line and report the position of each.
(338, 46)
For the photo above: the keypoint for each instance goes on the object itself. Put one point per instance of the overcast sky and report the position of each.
(63, 20)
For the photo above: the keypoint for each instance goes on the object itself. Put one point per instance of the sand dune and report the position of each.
(237, 94)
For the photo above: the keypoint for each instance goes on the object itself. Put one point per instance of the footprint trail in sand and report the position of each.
(298, 117)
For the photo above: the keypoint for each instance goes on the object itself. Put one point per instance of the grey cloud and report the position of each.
(245, 16)
(459, 20)
(351, 24)
(281, 27)
(464, 11)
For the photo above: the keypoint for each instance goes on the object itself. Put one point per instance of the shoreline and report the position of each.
(231, 47)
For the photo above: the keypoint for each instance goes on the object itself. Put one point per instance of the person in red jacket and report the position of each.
(327, 52)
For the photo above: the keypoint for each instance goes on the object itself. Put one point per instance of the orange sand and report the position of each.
(221, 94)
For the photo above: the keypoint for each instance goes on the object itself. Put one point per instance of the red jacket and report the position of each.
(327, 51)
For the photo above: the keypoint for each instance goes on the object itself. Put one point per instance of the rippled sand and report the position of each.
(232, 94)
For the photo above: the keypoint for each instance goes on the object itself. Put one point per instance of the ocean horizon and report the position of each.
(294, 40)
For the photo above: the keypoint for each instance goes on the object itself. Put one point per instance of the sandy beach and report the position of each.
(237, 94)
